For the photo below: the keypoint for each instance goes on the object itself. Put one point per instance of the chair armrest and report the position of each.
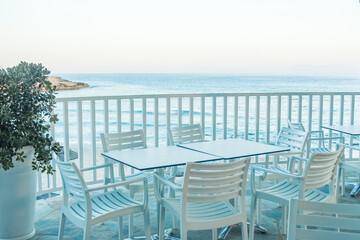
(254, 168)
(316, 131)
(124, 183)
(292, 163)
(326, 138)
(348, 146)
(158, 188)
(167, 182)
(109, 165)
(96, 167)
(118, 184)
(266, 170)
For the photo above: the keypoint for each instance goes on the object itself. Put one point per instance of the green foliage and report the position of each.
(27, 102)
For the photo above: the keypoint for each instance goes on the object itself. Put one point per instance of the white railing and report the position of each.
(253, 116)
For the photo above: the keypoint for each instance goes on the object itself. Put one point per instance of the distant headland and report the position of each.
(62, 84)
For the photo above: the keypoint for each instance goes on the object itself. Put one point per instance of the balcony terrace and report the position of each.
(256, 116)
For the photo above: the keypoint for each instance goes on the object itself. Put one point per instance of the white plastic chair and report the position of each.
(293, 139)
(212, 196)
(126, 141)
(315, 136)
(288, 138)
(181, 135)
(323, 221)
(89, 206)
(320, 171)
(185, 134)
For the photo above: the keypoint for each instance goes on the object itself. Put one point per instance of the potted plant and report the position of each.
(27, 102)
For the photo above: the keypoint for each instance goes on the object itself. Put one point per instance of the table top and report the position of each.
(353, 130)
(153, 158)
(234, 148)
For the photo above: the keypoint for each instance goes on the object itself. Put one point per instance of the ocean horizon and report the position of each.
(114, 84)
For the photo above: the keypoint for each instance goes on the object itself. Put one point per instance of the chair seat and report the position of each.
(284, 191)
(203, 213)
(105, 204)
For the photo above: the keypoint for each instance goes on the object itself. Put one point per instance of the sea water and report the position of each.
(138, 84)
(130, 84)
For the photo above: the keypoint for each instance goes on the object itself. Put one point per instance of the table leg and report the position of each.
(225, 230)
(355, 190)
(167, 232)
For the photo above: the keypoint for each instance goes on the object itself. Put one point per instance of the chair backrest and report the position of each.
(123, 140)
(185, 134)
(73, 182)
(296, 126)
(323, 221)
(293, 139)
(321, 169)
(313, 135)
(206, 182)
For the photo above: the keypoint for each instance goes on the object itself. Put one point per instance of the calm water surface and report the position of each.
(128, 84)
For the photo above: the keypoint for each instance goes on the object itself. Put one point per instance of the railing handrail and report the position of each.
(140, 96)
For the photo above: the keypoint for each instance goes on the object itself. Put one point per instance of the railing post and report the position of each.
(236, 115)
(225, 117)
(214, 118)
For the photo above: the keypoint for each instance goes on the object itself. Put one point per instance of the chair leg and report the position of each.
(161, 223)
(158, 217)
(258, 215)
(147, 225)
(183, 232)
(342, 173)
(121, 225)
(131, 218)
(175, 223)
(171, 194)
(214, 234)
(252, 217)
(284, 219)
(87, 232)
(62, 226)
(244, 230)
(131, 227)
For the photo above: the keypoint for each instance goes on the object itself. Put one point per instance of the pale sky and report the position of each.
(182, 36)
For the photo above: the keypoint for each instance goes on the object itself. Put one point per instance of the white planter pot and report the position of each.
(17, 199)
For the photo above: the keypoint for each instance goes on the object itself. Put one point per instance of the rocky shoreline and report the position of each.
(62, 84)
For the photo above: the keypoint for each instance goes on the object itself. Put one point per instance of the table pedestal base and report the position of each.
(153, 237)
(225, 231)
(355, 190)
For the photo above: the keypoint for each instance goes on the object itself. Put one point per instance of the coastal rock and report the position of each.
(62, 84)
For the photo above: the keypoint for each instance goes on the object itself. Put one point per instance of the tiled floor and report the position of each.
(47, 222)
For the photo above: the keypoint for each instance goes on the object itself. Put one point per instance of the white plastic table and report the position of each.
(351, 130)
(234, 148)
(158, 158)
